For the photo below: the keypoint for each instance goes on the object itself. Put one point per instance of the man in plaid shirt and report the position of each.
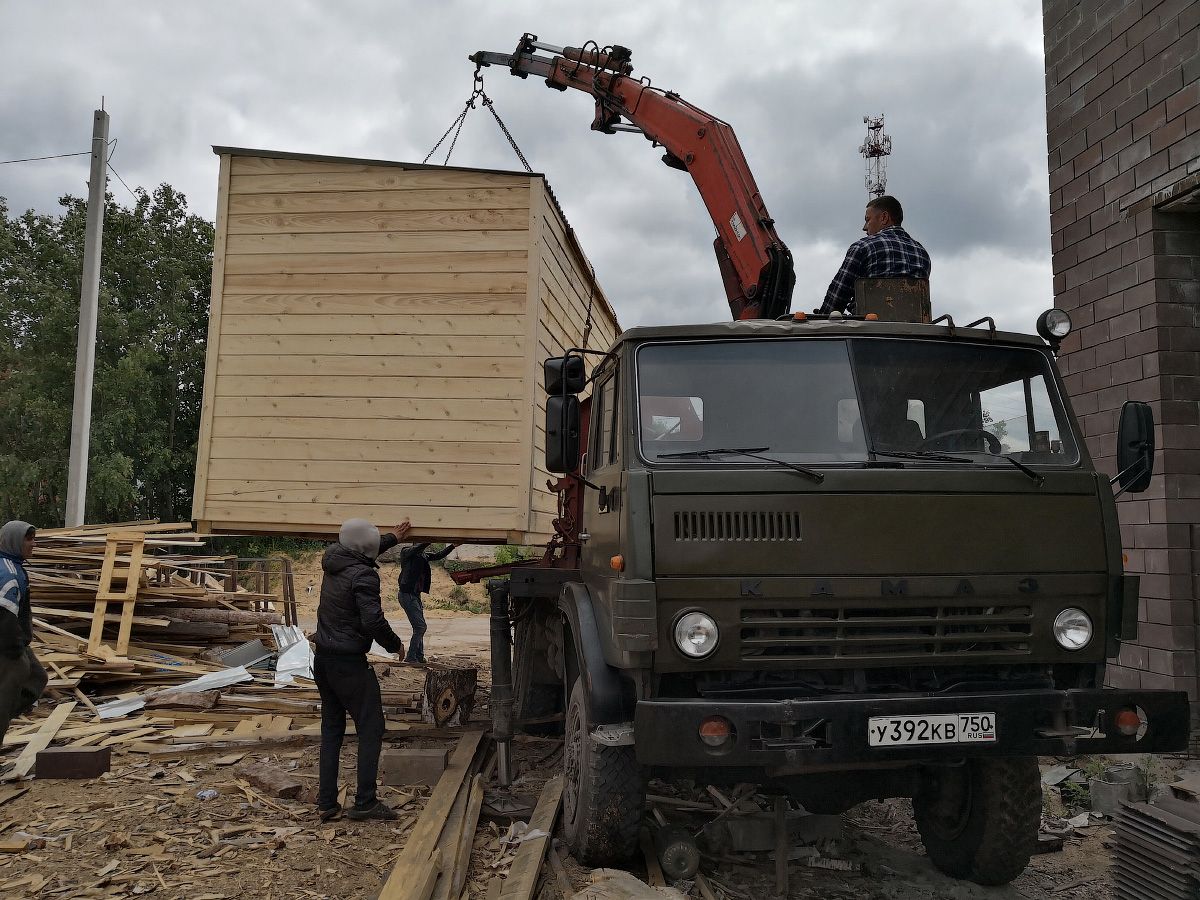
(886, 252)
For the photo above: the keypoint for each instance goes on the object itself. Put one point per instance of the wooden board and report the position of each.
(376, 344)
(523, 876)
(40, 741)
(406, 879)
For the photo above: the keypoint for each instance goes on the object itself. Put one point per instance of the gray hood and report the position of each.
(12, 537)
(360, 536)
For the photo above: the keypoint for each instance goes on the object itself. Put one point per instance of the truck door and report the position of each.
(601, 517)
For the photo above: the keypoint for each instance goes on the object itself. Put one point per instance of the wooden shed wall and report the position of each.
(567, 290)
(371, 351)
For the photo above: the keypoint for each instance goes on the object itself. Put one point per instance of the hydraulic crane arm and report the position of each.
(755, 264)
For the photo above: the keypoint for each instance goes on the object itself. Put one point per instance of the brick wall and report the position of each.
(1123, 134)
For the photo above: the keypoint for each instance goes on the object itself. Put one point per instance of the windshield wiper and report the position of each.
(1036, 476)
(752, 452)
(921, 454)
(946, 457)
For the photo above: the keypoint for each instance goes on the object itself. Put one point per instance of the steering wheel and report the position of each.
(993, 442)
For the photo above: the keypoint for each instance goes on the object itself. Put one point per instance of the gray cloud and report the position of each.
(961, 85)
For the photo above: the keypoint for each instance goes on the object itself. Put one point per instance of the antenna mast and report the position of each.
(876, 149)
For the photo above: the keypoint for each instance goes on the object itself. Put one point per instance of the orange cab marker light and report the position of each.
(799, 316)
(617, 563)
(872, 317)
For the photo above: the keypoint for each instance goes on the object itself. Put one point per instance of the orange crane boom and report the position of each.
(756, 266)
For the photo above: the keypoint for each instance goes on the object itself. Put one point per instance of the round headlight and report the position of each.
(696, 635)
(1054, 324)
(1072, 629)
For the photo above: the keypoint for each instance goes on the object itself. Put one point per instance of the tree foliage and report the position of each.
(151, 331)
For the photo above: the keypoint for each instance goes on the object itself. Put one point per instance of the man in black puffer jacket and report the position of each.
(349, 617)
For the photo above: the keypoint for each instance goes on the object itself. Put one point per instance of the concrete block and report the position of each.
(412, 766)
(72, 762)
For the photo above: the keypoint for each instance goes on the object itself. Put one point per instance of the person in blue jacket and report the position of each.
(22, 678)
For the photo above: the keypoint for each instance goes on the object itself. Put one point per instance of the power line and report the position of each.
(122, 180)
(6, 162)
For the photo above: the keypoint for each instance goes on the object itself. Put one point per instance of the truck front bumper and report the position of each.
(786, 734)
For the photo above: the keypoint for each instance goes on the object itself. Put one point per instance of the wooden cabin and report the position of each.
(375, 347)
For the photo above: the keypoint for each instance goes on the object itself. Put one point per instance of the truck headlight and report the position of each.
(1072, 629)
(1054, 324)
(696, 635)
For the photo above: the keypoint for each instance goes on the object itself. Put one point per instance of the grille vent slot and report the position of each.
(730, 525)
(850, 632)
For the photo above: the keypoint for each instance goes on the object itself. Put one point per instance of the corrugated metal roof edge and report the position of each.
(316, 157)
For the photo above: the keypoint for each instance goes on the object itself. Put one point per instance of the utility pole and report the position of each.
(89, 297)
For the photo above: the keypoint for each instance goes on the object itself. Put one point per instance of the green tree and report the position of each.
(151, 331)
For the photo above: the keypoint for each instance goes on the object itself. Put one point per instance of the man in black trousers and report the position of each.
(349, 617)
(415, 580)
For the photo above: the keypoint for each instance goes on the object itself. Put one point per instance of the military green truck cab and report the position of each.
(845, 559)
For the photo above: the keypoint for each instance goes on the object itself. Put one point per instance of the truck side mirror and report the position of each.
(562, 433)
(564, 374)
(1135, 447)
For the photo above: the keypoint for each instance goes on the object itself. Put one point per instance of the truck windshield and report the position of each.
(833, 401)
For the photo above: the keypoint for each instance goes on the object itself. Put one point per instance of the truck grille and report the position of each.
(737, 525)
(894, 631)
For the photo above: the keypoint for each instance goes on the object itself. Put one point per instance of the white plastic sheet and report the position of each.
(295, 654)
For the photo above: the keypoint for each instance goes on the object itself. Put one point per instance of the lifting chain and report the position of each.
(477, 93)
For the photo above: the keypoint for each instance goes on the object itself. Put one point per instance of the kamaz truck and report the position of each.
(843, 557)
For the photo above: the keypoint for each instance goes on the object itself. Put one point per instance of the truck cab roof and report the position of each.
(823, 327)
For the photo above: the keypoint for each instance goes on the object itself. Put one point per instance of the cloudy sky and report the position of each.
(960, 82)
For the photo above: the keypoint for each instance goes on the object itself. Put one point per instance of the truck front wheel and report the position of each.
(980, 821)
(604, 792)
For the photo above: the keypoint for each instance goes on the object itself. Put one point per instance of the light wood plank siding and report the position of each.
(375, 348)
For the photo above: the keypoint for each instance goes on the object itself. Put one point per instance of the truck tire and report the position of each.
(980, 821)
(604, 791)
(537, 688)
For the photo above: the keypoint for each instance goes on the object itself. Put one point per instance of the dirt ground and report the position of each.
(144, 829)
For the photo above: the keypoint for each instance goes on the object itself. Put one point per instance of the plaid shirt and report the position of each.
(891, 253)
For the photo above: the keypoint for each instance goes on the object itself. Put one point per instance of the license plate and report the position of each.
(951, 728)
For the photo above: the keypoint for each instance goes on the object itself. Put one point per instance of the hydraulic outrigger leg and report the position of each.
(502, 686)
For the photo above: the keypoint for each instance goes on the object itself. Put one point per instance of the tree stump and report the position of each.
(449, 696)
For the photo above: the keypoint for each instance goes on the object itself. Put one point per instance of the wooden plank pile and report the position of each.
(133, 610)
(137, 593)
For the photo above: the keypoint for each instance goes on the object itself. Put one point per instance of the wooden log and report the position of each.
(201, 700)
(225, 616)
(212, 631)
(272, 780)
(449, 696)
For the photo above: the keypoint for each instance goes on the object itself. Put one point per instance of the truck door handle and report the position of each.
(584, 537)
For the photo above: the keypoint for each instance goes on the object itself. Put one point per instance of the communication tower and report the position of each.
(876, 149)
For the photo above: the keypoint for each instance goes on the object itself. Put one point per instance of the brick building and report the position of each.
(1123, 126)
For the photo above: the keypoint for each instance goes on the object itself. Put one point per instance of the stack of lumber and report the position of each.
(249, 715)
(136, 590)
(435, 862)
(130, 621)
